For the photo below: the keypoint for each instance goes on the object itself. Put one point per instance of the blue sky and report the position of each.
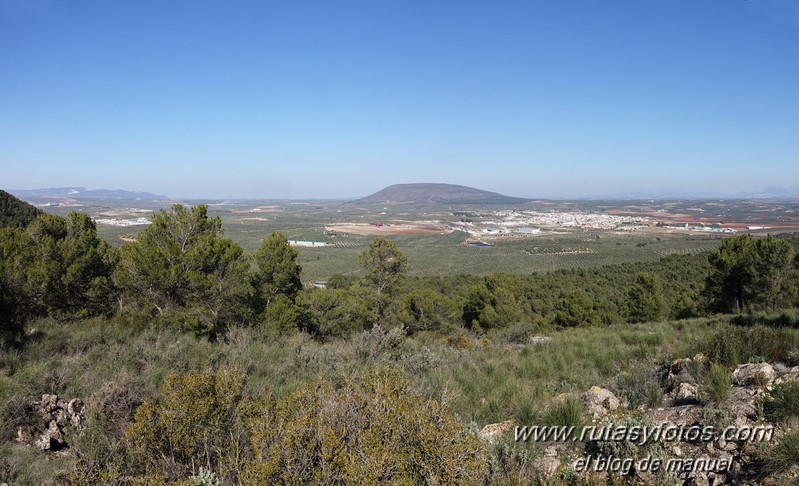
(338, 99)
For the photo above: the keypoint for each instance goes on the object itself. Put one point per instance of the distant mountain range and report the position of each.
(83, 193)
(767, 193)
(428, 193)
(777, 192)
(433, 193)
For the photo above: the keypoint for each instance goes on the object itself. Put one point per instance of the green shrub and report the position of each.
(426, 310)
(785, 454)
(641, 386)
(181, 269)
(716, 384)
(282, 317)
(196, 422)
(377, 342)
(568, 411)
(784, 402)
(205, 477)
(334, 312)
(368, 430)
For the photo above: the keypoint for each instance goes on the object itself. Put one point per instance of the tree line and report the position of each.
(182, 271)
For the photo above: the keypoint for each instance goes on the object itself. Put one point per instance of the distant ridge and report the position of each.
(430, 193)
(83, 193)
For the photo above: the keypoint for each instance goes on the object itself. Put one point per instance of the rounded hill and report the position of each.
(431, 193)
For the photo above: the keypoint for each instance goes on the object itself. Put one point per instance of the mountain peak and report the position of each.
(437, 193)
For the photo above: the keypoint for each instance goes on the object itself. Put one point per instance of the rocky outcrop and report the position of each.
(599, 401)
(492, 432)
(786, 374)
(548, 463)
(679, 381)
(686, 394)
(54, 418)
(758, 374)
(722, 459)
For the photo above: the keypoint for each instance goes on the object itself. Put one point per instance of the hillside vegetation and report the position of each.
(15, 212)
(195, 363)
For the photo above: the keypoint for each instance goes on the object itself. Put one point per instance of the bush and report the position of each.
(568, 411)
(196, 422)
(785, 454)
(426, 310)
(378, 342)
(334, 312)
(641, 386)
(281, 318)
(370, 429)
(784, 402)
(182, 270)
(716, 384)
(417, 361)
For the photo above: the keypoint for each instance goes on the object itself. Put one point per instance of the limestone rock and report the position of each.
(548, 464)
(686, 394)
(49, 403)
(679, 415)
(52, 438)
(492, 432)
(55, 415)
(741, 403)
(680, 371)
(790, 374)
(757, 374)
(27, 434)
(76, 413)
(599, 401)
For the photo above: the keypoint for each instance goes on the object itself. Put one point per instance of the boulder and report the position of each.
(547, 464)
(757, 374)
(52, 439)
(686, 394)
(741, 403)
(76, 413)
(27, 434)
(680, 371)
(49, 403)
(790, 374)
(492, 432)
(599, 401)
(679, 415)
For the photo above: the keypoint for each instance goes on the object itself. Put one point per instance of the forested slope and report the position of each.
(15, 212)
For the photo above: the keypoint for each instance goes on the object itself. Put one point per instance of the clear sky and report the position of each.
(297, 98)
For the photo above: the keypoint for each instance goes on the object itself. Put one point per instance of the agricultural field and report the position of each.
(538, 236)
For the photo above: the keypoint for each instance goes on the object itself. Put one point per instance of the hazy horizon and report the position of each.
(317, 100)
(664, 193)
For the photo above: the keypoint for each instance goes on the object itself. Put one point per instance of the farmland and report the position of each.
(538, 236)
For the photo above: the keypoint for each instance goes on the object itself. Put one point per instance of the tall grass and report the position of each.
(733, 345)
(784, 455)
(484, 383)
(716, 384)
(784, 402)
